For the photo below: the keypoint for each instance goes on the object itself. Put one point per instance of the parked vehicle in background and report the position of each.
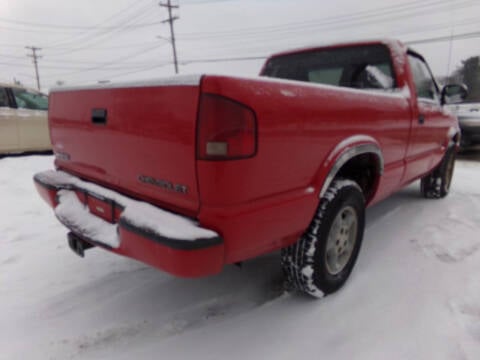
(188, 174)
(23, 120)
(468, 115)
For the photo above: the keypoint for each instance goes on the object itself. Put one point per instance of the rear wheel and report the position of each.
(436, 185)
(321, 260)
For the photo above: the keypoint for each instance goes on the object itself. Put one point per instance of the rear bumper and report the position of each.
(131, 228)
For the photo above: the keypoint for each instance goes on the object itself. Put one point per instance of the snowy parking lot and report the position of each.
(414, 293)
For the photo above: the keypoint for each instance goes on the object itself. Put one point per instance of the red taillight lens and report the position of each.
(226, 129)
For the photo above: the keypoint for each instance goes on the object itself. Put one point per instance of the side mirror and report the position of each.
(453, 93)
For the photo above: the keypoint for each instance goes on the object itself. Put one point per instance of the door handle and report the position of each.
(421, 119)
(99, 116)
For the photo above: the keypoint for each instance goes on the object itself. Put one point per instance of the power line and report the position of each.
(114, 62)
(277, 38)
(260, 44)
(72, 27)
(443, 25)
(170, 20)
(261, 34)
(228, 59)
(81, 28)
(82, 69)
(261, 57)
(97, 48)
(35, 58)
(56, 26)
(124, 46)
(288, 28)
(471, 35)
(344, 21)
(84, 34)
(215, 60)
(90, 38)
(330, 20)
(87, 44)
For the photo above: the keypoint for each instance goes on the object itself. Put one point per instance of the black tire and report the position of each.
(436, 185)
(307, 265)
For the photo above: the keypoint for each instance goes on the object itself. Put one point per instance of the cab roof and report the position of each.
(391, 43)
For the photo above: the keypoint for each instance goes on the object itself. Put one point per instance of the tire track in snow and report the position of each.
(453, 237)
(161, 308)
(466, 309)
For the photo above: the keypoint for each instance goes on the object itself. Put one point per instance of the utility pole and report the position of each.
(170, 20)
(34, 56)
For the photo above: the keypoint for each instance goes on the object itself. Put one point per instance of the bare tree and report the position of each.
(469, 74)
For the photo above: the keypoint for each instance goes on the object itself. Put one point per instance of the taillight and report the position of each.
(226, 129)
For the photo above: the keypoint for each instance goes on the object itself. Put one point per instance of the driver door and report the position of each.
(430, 124)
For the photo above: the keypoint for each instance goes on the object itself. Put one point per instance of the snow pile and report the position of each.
(178, 80)
(140, 214)
(71, 212)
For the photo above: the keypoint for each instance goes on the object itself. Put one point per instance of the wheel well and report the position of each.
(364, 169)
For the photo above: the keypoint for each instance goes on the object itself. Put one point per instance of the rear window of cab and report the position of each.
(360, 67)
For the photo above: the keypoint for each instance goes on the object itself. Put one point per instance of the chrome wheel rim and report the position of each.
(341, 240)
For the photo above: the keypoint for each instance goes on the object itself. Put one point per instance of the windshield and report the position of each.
(27, 99)
(364, 67)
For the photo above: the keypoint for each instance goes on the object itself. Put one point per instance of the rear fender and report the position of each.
(342, 153)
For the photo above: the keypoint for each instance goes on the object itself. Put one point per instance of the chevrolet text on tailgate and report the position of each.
(191, 173)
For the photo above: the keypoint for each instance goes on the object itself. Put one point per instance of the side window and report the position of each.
(3, 97)
(424, 83)
(30, 100)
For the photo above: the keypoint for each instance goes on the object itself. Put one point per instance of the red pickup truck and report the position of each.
(191, 173)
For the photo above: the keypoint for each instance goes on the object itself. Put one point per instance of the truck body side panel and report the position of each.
(299, 125)
(142, 143)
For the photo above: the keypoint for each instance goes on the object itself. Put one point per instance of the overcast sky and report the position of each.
(89, 41)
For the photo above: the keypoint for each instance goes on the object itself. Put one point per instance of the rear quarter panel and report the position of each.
(299, 126)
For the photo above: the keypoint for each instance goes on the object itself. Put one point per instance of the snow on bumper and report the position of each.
(132, 228)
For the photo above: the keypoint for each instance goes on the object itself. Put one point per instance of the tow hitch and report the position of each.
(78, 245)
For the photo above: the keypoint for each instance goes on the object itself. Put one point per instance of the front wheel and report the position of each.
(436, 184)
(321, 260)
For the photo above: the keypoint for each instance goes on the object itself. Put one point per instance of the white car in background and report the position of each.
(469, 119)
(23, 120)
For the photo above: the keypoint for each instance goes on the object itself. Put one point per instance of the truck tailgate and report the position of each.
(139, 140)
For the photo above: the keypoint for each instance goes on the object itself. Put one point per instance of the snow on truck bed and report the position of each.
(414, 294)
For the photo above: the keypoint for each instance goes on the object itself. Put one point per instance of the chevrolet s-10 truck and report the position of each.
(190, 173)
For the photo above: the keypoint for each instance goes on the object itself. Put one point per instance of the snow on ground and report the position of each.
(414, 294)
